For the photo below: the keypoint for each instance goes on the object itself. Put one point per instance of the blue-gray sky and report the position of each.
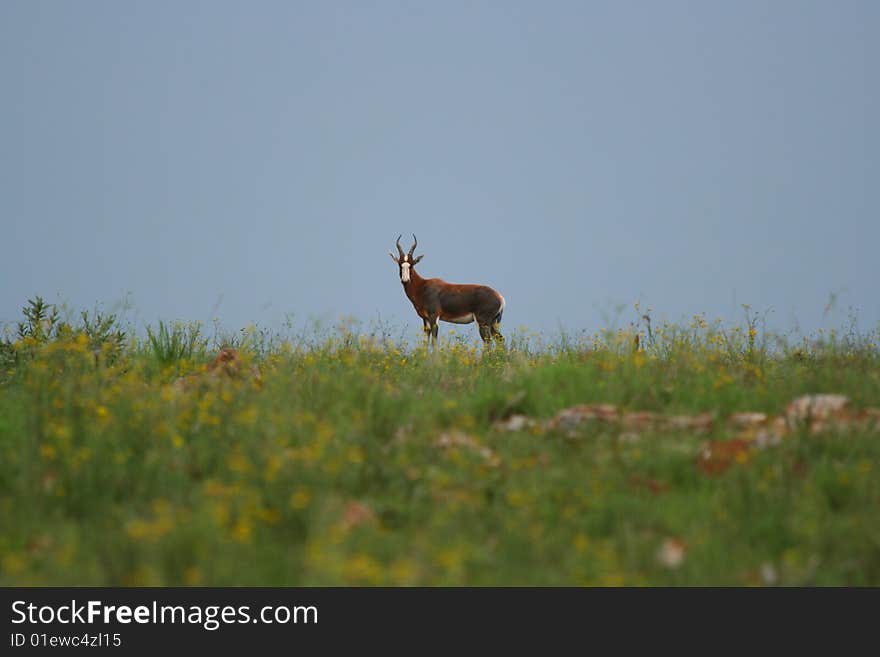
(574, 155)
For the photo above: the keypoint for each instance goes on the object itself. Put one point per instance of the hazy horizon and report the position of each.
(246, 162)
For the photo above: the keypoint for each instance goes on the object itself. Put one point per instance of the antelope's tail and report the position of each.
(497, 319)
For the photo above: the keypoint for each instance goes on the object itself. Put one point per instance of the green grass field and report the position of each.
(353, 459)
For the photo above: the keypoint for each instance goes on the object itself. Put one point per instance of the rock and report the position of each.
(640, 420)
(455, 439)
(569, 418)
(514, 423)
(701, 423)
(671, 552)
(227, 365)
(716, 456)
(815, 410)
(461, 439)
(356, 514)
(747, 420)
(870, 418)
(768, 574)
(772, 434)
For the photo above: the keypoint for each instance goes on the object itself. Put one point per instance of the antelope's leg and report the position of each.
(496, 334)
(485, 333)
(435, 328)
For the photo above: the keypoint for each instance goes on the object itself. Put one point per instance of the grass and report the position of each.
(358, 460)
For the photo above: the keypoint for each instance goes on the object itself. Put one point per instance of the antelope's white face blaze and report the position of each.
(404, 272)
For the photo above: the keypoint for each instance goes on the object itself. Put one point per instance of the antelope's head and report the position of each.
(405, 261)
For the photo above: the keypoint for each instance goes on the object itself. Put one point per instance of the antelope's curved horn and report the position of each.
(399, 250)
(415, 243)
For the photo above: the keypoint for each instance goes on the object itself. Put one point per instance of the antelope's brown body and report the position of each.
(458, 304)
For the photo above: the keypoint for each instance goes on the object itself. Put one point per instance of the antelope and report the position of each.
(435, 300)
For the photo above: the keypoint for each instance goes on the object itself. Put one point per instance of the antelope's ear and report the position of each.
(394, 258)
(416, 261)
